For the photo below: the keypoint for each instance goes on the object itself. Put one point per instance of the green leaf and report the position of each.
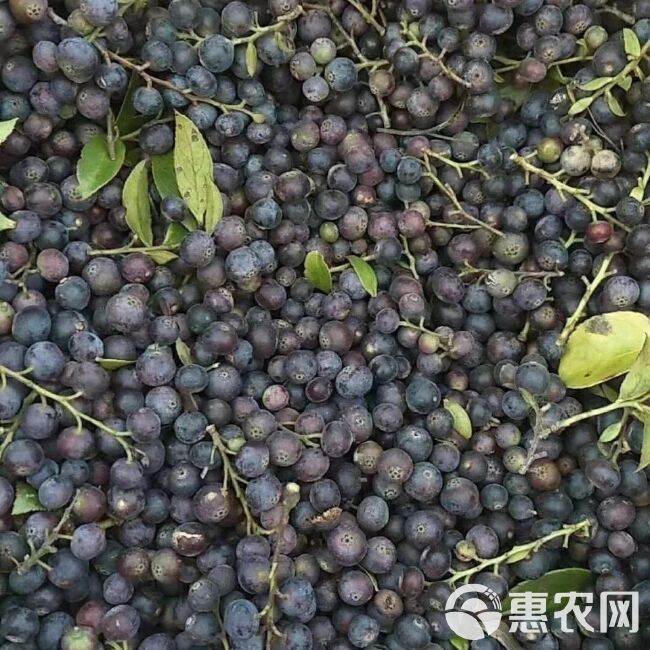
(136, 201)
(128, 119)
(457, 643)
(610, 433)
(581, 105)
(631, 42)
(25, 500)
(637, 381)
(625, 83)
(553, 582)
(193, 165)
(317, 271)
(515, 93)
(174, 235)
(603, 347)
(518, 556)
(6, 223)
(644, 460)
(638, 193)
(530, 400)
(6, 128)
(164, 175)
(614, 105)
(183, 352)
(462, 423)
(595, 84)
(214, 208)
(114, 364)
(162, 257)
(96, 168)
(365, 273)
(251, 58)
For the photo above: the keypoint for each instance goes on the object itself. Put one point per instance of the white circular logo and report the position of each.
(477, 616)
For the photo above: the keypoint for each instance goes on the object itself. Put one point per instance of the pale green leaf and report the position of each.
(6, 128)
(610, 433)
(555, 582)
(614, 105)
(183, 352)
(637, 381)
(631, 42)
(175, 234)
(96, 168)
(605, 391)
(518, 555)
(251, 58)
(365, 273)
(581, 105)
(317, 271)
(603, 347)
(530, 400)
(6, 223)
(214, 208)
(115, 364)
(193, 165)
(462, 423)
(162, 257)
(637, 193)
(644, 460)
(625, 83)
(25, 500)
(136, 201)
(164, 175)
(595, 84)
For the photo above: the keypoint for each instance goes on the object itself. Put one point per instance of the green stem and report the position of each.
(347, 265)
(585, 415)
(10, 432)
(409, 256)
(563, 188)
(369, 18)
(66, 402)
(521, 551)
(274, 27)
(124, 250)
(573, 320)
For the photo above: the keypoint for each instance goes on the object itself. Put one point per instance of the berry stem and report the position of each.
(150, 80)
(563, 188)
(66, 402)
(368, 16)
(274, 27)
(521, 552)
(573, 320)
(409, 256)
(37, 554)
(231, 476)
(10, 431)
(124, 250)
(585, 415)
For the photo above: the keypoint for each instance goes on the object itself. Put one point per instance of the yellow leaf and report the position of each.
(644, 461)
(251, 58)
(603, 347)
(6, 128)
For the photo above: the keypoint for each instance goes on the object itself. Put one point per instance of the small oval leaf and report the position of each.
(610, 433)
(174, 235)
(518, 556)
(595, 84)
(603, 347)
(25, 500)
(614, 105)
(462, 423)
(114, 364)
(625, 83)
(365, 273)
(636, 384)
(6, 128)
(96, 167)
(214, 208)
(164, 175)
(251, 58)
(317, 272)
(581, 105)
(162, 257)
(631, 43)
(644, 460)
(550, 584)
(136, 201)
(183, 352)
(128, 119)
